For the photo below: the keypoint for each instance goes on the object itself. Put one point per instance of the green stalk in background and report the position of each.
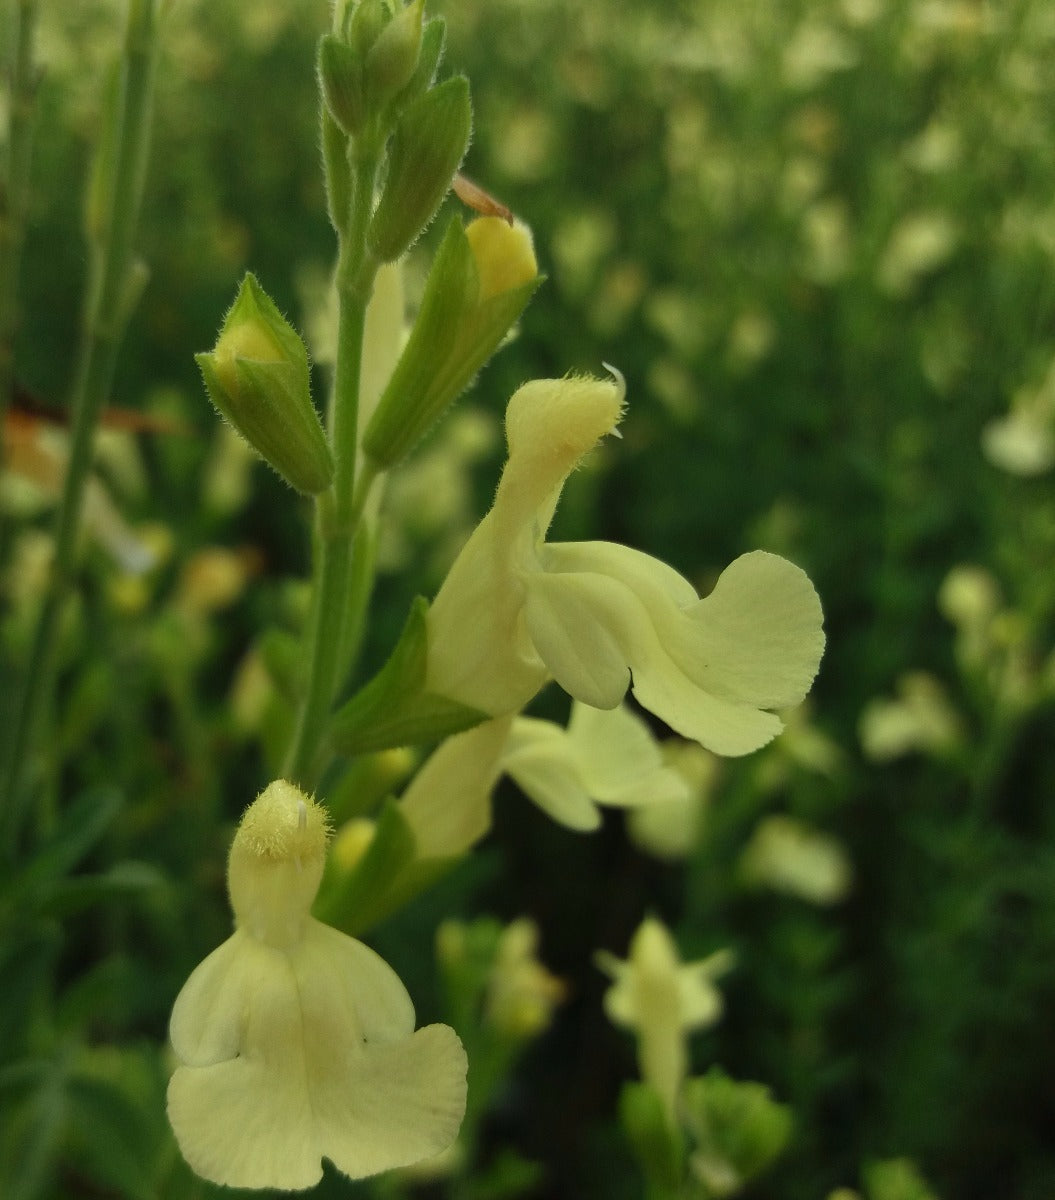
(14, 195)
(115, 281)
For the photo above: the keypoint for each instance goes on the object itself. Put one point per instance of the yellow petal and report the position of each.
(322, 1063)
(539, 758)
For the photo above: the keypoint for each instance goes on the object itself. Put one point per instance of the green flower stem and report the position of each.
(14, 197)
(115, 279)
(338, 511)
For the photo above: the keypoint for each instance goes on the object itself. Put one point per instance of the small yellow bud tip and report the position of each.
(283, 825)
(248, 339)
(504, 255)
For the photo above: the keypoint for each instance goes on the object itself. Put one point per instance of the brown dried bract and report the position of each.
(478, 200)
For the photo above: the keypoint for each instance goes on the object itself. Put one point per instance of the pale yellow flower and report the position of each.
(790, 856)
(662, 999)
(602, 757)
(297, 1042)
(920, 718)
(521, 992)
(671, 828)
(516, 611)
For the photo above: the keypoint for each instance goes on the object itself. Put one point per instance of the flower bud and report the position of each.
(503, 254)
(480, 283)
(393, 58)
(258, 378)
(427, 147)
(362, 24)
(342, 83)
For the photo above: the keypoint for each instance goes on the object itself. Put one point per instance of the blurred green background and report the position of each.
(818, 238)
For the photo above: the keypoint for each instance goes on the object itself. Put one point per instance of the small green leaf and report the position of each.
(394, 709)
(386, 877)
(895, 1179)
(658, 1144)
(83, 826)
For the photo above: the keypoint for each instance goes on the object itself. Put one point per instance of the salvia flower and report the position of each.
(516, 610)
(604, 756)
(662, 999)
(297, 1042)
(601, 758)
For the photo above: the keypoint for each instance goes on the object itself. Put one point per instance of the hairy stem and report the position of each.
(338, 512)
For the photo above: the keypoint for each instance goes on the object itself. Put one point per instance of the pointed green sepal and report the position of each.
(384, 877)
(657, 1143)
(343, 84)
(473, 297)
(427, 147)
(337, 169)
(433, 37)
(394, 709)
(363, 23)
(259, 379)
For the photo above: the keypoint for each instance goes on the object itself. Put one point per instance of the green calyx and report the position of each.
(456, 332)
(258, 378)
(428, 144)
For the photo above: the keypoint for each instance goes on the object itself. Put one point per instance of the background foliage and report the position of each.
(818, 238)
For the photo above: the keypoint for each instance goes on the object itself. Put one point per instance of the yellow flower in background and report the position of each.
(662, 999)
(920, 718)
(521, 993)
(516, 611)
(792, 857)
(297, 1042)
(671, 828)
(602, 757)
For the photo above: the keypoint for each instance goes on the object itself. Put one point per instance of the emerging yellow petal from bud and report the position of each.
(503, 253)
(252, 340)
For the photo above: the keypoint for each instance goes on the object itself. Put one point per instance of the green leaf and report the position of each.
(83, 891)
(115, 1128)
(738, 1129)
(895, 1179)
(83, 826)
(393, 709)
(31, 1133)
(657, 1143)
(383, 880)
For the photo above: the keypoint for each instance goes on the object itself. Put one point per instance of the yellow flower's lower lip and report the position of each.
(297, 1042)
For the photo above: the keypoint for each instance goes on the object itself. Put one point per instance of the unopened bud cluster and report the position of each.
(377, 76)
